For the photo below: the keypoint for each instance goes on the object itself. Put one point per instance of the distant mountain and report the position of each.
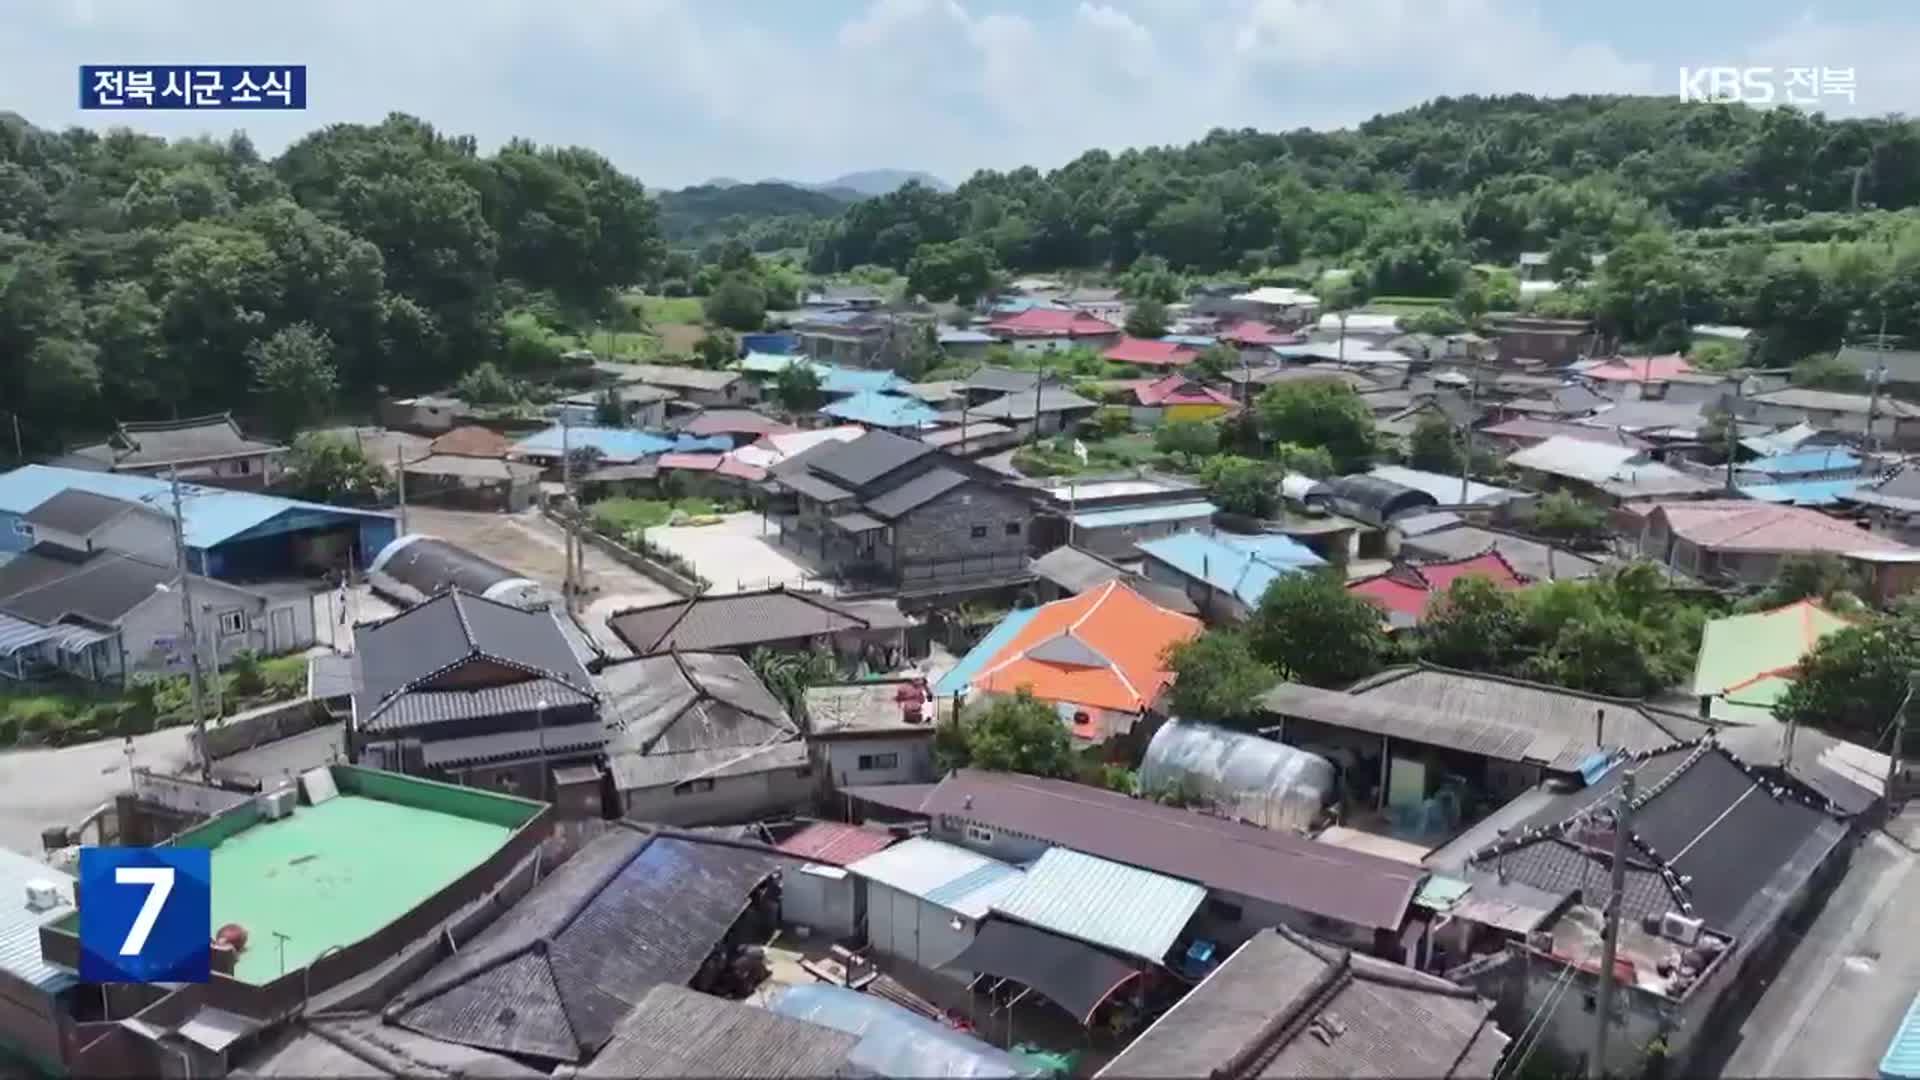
(697, 214)
(724, 182)
(871, 182)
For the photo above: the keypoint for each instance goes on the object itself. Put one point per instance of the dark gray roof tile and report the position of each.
(915, 493)
(732, 621)
(79, 512)
(866, 459)
(678, 1032)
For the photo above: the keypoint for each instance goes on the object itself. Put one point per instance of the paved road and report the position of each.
(1838, 999)
(59, 787)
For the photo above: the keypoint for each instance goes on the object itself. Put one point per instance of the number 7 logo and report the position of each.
(159, 880)
(146, 914)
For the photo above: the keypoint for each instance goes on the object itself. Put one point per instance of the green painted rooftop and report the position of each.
(1740, 651)
(336, 873)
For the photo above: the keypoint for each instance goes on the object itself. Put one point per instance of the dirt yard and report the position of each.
(536, 548)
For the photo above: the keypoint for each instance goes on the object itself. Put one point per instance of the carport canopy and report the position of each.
(1072, 974)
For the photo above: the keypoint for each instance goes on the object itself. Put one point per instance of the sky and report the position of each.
(679, 91)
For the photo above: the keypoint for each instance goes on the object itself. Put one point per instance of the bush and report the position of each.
(1109, 421)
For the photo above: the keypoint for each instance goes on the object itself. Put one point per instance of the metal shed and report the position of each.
(416, 567)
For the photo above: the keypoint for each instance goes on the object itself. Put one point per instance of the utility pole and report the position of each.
(1610, 941)
(1894, 752)
(1466, 431)
(1039, 380)
(566, 501)
(193, 634)
(400, 473)
(20, 455)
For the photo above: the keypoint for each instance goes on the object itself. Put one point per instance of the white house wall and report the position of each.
(914, 764)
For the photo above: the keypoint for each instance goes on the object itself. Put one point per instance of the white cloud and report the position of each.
(676, 91)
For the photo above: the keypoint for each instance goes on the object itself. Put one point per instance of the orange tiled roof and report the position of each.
(1120, 637)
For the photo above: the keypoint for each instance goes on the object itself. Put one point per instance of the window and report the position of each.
(233, 622)
(1013, 528)
(243, 466)
(1590, 1004)
(687, 786)
(803, 771)
(979, 835)
(23, 528)
(1220, 909)
(879, 761)
(979, 532)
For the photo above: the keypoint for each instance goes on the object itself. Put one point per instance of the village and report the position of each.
(787, 716)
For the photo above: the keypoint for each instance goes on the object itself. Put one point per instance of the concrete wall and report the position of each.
(941, 532)
(144, 536)
(30, 1025)
(730, 801)
(158, 617)
(913, 753)
(1117, 541)
(820, 897)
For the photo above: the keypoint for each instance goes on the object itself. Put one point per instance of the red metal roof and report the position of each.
(694, 462)
(1133, 350)
(1255, 332)
(1411, 588)
(831, 842)
(1043, 322)
(1641, 368)
(1180, 390)
(1740, 525)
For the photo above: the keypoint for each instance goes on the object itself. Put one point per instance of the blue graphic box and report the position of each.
(146, 914)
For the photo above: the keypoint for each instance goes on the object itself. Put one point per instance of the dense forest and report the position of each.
(141, 278)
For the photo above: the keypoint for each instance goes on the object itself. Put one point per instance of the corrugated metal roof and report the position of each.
(20, 928)
(882, 409)
(17, 634)
(1124, 908)
(1241, 565)
(954, 878)
(211, 515)
(960, 679)
(1445, 489)
(1144, 515)
(1902, 1058)
(1805, 492)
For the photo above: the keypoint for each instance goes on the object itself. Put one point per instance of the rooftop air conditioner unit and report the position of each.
(43, 895)
(1540, 940)
(275, 805)
(1677, 927)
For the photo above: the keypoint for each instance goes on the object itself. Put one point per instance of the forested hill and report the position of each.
(137, 276)
(1485, 176)
(692, 216)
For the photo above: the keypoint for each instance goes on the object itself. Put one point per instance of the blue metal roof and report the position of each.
(1144, 515)
(1799, 462)
(845, 380)
(1241, 565)
(876, 409)
(1902, 1059)
(212, 515)
(960, 678)
(619, 444)
(1198, 341)
(1804, 492)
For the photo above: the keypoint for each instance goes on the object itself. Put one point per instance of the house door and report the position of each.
(280, 633)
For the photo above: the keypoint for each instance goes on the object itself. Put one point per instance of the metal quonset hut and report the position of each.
(1370, 498)
(416, 567)
(1270, 784)
(229, 534)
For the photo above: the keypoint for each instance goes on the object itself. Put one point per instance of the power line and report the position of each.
(1547, 1006)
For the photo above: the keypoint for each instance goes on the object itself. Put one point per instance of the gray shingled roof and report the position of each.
(1257, 1014)
(204, 438)
(45, 586)
(1020, 406)
(408, 667)
(79, 512)
(362, 1046)
(732, 621)
(677, 1032)
(866, 459)
(915, 493)
(1541, 562)
(554, 976)
(676, 703)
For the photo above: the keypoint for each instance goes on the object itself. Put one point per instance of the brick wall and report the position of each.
(942, 530)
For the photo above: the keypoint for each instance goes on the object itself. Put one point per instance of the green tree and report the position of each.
(1311, 628)
(294, 375)
(1187, 440)
(1241, 485)
(797, 387)
(1147, 319)
(1475, 625)
(737, 303)
(608, 410)
(324, 468)
(1218, 678)
(1853, 682)
(1825, 372)
(1434, 446)
(1310, 461)
(1822, 577)
(1317, 413)
(718, 349)
(486, 385)
(1562, 517)
(1150, 278)
(1214, 362)
(1016, 733)
(789, 674)
(1714, 355)
(961, 271)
